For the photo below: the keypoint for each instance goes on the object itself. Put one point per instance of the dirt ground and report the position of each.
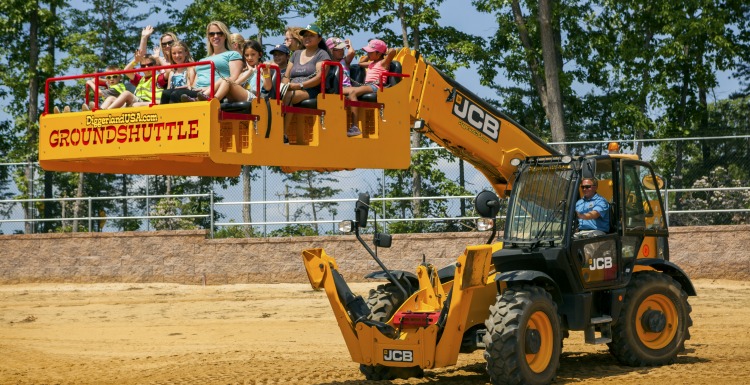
(286, 334)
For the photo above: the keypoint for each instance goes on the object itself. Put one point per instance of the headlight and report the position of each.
(346, 226)
(484, 224)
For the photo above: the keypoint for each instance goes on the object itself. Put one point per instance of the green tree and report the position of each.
(443, 46)
(315, 186)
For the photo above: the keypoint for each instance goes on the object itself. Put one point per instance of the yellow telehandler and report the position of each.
(517, 298)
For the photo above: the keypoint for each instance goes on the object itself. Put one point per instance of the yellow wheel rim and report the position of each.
(657, 340)
(539, 361)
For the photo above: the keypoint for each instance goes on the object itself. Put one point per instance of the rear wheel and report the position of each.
(523, 340)
(654, 321)
(383, 303)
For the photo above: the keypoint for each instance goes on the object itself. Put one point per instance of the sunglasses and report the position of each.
(167, 43)
(212, 34)
(108, 77)
(586, 186)
(148, 65)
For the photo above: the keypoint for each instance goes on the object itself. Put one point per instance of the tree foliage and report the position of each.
(631, 69)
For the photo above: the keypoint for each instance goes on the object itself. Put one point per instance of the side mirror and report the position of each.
(382, 240)
(487, 204)
(346, 226)
(362, 209)
(588, 168)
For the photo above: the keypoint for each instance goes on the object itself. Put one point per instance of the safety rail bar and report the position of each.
(329, 63)
(98, 75)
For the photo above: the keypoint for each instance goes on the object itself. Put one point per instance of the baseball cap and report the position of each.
(311, 28)
(376, 45)
(335, 43)
(280, 48)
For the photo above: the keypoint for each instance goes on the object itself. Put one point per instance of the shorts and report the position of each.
(373, 86)
(313, 92)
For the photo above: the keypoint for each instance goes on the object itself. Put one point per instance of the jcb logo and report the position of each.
(398, 355)
(600, 263)
(476, 117)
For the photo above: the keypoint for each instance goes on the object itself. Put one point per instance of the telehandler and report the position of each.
(517, 298)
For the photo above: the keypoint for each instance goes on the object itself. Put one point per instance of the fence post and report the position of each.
(89, 200)
(211, 210)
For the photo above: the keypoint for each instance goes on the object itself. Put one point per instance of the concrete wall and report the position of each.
(188, 257)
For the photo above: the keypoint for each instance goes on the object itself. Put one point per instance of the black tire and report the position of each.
(383, 303)
(654, 322)
(523, 340)
(380, 372)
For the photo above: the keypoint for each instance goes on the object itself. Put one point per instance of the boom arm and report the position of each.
(470, 128)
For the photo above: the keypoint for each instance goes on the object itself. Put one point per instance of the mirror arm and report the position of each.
(379, 262)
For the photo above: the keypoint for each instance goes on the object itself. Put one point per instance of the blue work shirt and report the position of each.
(596, 203)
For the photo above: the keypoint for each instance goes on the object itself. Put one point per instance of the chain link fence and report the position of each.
(701, 189)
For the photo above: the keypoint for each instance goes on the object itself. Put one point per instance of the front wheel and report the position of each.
(654, 321)
(523, 340)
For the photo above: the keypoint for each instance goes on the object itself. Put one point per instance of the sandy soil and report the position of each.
(286, 334)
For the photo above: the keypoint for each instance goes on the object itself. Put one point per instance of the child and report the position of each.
(377, 61)
(182, 77)
(142, 95)
(114, 88)
(337, 47)
(244, 88)
(280, 54)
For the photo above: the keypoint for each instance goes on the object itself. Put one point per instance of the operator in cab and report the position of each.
(592, 210)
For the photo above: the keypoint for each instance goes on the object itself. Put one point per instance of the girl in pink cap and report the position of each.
(377, 61)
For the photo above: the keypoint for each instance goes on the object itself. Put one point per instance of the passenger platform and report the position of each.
(198, 138)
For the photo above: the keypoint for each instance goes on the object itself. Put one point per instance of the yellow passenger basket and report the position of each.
(200, 139)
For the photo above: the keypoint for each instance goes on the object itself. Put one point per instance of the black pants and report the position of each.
(174, 95)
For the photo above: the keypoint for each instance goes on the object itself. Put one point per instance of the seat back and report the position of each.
(332, 80)
(272, 93)
(395, 67)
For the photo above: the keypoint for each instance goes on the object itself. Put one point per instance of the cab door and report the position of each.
(644, 228)
(597, 259)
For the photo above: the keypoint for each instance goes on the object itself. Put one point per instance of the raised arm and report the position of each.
(137, 59)
(145, 36)
(349, 53)
(390, 54)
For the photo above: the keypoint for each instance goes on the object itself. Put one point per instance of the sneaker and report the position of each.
(56, 110)
(66, 109)
(353, 131)
(186, 98)
(91, 106)
(85, 107)
(202, 97)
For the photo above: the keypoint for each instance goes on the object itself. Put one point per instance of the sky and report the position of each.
(457, 13)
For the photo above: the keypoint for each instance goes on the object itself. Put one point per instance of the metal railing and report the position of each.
(222, 214)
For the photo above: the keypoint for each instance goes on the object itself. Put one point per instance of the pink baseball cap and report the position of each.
(376, 45)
